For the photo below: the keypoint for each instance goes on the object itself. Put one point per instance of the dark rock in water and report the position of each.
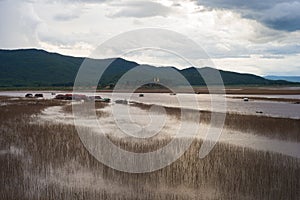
(121, 101)
(141, 95)
(98, 99)
(76, 97)
(298, 102)
(259, 112)
(61, 97)
(38, 95)
(106, 100)
(94, 98)
(28, 95)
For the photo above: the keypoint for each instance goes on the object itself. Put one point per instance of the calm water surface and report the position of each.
(200, 102)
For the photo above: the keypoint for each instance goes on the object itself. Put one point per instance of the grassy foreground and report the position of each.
(48, 161)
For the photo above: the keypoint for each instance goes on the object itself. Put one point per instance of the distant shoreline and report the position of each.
(255, 90)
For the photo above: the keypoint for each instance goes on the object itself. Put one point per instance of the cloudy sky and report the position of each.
(256, 36)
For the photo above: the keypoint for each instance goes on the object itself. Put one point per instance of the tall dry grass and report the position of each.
(48, 161)
(273, 127)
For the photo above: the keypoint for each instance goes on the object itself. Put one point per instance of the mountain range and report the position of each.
(285, 78)
(39, 68)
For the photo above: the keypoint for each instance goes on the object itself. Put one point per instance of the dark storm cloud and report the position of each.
(276, 14)
(284, 50)
(241, 4)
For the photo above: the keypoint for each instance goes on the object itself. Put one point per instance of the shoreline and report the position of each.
(253, 98)
(284, 90)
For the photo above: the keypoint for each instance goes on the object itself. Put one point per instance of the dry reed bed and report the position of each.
(228, 172)
(273, 127)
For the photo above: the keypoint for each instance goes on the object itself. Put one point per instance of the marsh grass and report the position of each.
(52, 163)
(273, 127)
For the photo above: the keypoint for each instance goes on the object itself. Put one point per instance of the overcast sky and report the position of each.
(254, 36)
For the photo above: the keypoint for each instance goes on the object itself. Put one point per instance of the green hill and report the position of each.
(31, 67)
(39, 68)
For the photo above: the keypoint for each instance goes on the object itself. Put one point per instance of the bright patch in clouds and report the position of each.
(259, 37)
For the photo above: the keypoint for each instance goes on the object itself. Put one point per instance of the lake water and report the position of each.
(200, 102)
